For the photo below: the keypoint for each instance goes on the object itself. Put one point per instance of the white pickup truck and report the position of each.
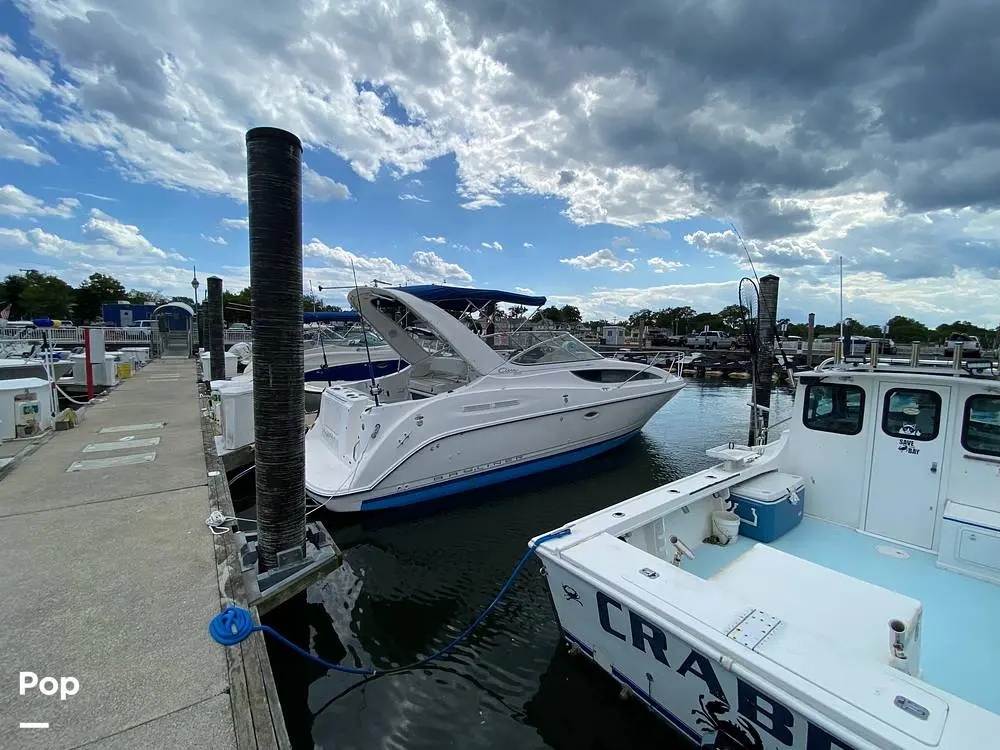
(709, 340)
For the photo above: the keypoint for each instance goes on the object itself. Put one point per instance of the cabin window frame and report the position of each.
(847, 388)
(923, 437)
(966, 413)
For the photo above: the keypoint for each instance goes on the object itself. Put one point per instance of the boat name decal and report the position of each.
(476, 469)
(505, 371)
(755, 710)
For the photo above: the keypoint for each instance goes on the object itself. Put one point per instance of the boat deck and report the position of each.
(961, 614)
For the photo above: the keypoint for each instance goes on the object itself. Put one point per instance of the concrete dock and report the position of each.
(110, 576)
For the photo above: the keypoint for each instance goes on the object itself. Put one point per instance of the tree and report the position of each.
(145, 297)
(639, 318)
(905, 330)
(517, 311)
(732, 316)
(553, 314)
(570, 314)
(11, 289)
(45, 295)
(93, 293)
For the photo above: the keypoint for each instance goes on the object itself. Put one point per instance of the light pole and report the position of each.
(197, 317)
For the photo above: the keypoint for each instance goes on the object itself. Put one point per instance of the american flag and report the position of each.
(5, 313)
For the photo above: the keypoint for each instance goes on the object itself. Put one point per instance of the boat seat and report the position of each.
(851, 613)
(435, 382)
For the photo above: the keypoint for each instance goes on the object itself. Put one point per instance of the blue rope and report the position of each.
(235, 624)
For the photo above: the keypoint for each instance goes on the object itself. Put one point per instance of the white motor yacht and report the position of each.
(463, 415)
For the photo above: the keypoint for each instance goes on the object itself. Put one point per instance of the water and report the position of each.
(412, 581)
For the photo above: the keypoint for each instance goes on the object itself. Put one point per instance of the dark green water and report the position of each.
(411, 582)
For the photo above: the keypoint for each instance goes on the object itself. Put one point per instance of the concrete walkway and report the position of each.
(108, 575)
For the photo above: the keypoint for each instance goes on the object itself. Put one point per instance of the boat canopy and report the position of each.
(459, 298)
(347, 316)
(467, 345)
(175, 305)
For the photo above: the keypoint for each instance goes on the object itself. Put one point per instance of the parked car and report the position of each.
(709, 340)
(970, 345)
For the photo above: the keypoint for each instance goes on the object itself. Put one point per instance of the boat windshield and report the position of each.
(352, 338)
(548, 348)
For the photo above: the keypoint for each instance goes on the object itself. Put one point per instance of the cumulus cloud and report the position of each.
(235, 223)
(528, 245)
(108, 240)
(659, 265)
(321, 188)
(424, 267)
(15, 202)
(215, 240)
(603, 258)
(492, 245)
(412, 197)
(13, 147)
(438, 240)
(524, 290)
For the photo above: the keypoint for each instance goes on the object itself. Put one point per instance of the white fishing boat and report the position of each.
(463, 415)
(835, 589)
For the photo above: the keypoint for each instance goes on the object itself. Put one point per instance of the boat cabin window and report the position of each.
(615, 376)
(834, 407)
(911, 413)
(981, 425)
(554, 349)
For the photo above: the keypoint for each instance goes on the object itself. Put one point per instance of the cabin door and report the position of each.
(906, 462)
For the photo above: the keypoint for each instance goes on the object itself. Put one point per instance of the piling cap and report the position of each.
(266, 133)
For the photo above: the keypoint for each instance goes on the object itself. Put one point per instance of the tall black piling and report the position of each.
(216, 330)
(768, 315)
(810, 337)
(274, 178)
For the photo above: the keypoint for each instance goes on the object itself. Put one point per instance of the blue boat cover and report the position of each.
(348, 316)
(457, 298)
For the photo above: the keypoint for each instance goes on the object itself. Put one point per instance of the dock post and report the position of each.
(767, 317)
(216, 331)
(810, 333)
(288, 553)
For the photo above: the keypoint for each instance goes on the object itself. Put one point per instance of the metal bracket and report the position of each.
(754, 628)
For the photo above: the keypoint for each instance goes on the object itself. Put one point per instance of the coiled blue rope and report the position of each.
(235, 624)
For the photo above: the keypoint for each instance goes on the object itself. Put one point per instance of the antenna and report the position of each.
(842, 305)
(364, 337)
(745, 250)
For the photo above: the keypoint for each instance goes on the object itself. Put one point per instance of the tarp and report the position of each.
(348, 316)
(458, 298)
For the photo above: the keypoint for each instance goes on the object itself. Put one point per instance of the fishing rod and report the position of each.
(364, 335)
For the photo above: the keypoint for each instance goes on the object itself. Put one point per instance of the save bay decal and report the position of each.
(759, 722)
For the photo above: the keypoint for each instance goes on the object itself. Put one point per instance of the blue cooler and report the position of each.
(770, 505)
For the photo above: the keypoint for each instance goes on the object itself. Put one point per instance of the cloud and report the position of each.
(659, 265)
(603, 258)
(412, 197)
(778, 254)
(524, 290)
(491, 245)
(214, 240)
(320, 188)
(632, 250)
(436, 240)
(98, 197)
(15, 202)
(528, 245)
(424, 267)
(108, 241)
(630, 116)
(657, 233)
(14, 148)
(235, 223)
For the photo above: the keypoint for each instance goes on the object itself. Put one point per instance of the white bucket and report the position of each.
(725, 525)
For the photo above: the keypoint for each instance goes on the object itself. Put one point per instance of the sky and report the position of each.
(596, 153)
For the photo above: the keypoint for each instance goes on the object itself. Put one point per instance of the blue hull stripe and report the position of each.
(695, 735)
(494, 476)
(576, 641)
(353, 371)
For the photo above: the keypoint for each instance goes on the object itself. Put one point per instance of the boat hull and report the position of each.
(679, 679)
(481, 457)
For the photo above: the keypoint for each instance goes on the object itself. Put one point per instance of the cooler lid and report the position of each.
(769, 487)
